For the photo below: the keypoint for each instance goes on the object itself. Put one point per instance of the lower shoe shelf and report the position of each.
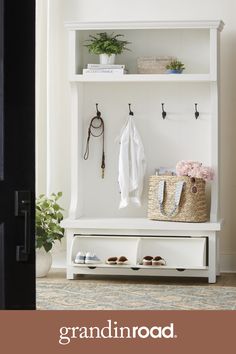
(135, 270)
(133, 266)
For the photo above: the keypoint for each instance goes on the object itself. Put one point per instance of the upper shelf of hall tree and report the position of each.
(76, 26)
(192, 42)
(143, 78)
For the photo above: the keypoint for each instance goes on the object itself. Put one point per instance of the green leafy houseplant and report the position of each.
(48, 218)
(103, 43)
(176, 66)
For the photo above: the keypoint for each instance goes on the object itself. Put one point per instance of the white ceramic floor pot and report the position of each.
(106, 59)
(43, 262)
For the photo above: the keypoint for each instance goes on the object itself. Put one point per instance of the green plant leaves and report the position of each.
(48, 217)
(103, 43)
(175, 65)
(47, 246)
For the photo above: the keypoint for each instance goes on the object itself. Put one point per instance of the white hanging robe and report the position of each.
(132, 165)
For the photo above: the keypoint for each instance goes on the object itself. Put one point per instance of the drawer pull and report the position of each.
(180, 269)
(92, 267)
(135, 268)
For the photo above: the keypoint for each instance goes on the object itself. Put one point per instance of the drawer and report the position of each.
(106, 246)
(179, 252)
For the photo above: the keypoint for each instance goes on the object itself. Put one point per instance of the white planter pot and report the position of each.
(43, 262)
(106, 59)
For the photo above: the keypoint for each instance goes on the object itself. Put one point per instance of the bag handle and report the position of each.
(160, 197)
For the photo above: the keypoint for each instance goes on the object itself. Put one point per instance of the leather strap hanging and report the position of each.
(96, 129)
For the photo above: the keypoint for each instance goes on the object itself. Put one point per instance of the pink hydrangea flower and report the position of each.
(185, 168)
(206, 173)
(194, 169)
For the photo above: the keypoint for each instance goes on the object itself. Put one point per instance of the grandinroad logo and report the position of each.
(114, 331)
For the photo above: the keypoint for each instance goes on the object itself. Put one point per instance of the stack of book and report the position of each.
(115, 69)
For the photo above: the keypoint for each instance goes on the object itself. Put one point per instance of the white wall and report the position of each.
(56, 175)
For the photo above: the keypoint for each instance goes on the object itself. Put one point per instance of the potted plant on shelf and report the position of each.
(48, 230)
(175, 67)
(106, 46)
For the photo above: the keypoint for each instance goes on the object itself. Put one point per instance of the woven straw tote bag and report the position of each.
(174, 198)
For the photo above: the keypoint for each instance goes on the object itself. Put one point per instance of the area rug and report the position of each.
(93, 294)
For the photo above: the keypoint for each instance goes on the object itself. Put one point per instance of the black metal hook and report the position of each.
(163, 111)
(130, 112)
(98, 112)
(196, 111)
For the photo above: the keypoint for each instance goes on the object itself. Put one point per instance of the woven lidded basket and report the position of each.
(152, 65)
(192, 205)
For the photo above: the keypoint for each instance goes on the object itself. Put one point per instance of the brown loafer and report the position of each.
(117, 260)
(147, 260)
(157, 261)
(122, 260)
(112, 260)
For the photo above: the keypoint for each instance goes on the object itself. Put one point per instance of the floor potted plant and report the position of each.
(106, 46)
(48, 230)
(175, 67)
